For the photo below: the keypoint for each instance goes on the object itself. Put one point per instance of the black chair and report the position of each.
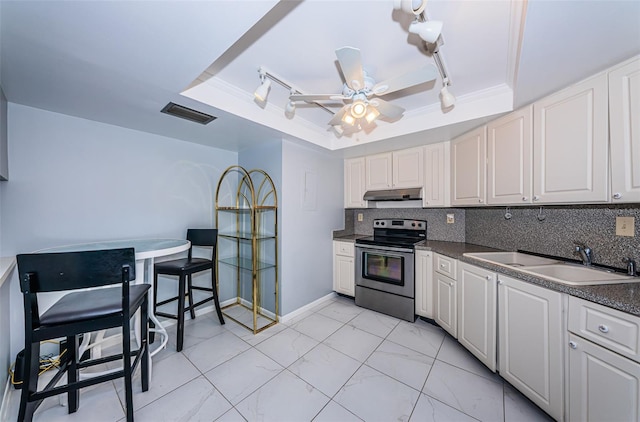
(81, 311)
(184, 269)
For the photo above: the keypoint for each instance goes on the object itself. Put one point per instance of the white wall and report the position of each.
(311, 208)
(75, 180)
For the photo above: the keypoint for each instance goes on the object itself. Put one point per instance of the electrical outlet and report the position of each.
(625, 226)
(451, 219)
(360, 216)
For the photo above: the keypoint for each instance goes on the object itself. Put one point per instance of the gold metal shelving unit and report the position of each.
(247, 222)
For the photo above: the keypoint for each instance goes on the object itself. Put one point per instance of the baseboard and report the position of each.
(291, 315)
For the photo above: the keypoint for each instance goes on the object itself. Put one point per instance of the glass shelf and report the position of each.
(246, 263)
(246, 236)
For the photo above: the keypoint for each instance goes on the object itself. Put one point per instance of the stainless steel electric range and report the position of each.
(385, 280)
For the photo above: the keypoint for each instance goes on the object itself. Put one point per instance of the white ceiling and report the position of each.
(120, 62)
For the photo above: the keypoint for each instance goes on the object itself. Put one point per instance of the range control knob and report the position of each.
(413, 224)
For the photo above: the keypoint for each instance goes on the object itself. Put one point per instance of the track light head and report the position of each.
(447, 99)
(290, 110)
(429, 31)
(263, 90)
(415, 7)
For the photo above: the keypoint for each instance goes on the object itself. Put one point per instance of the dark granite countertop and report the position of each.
(624, 297)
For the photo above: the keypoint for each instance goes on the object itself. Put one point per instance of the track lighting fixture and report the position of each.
(447, 98)
(263, 90)
(410, 6)
(429, 31)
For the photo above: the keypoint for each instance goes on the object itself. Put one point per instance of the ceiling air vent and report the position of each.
(187, 113)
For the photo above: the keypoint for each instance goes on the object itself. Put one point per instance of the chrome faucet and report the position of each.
(585, 253)
(631, 266)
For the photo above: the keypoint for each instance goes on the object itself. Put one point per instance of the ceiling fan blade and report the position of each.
(337, 118)
(351, 64)
(387, 109)
(316, 97)
(415, 77)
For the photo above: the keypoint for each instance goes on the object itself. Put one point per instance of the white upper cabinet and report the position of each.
(398, 169)
(509, 158)
(378, 171)
(624, 127)
(408, 168)
(354, 183)
(468, 168)
(570, 148)
(436, 176)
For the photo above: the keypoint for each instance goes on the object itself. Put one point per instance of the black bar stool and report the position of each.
(184, 269)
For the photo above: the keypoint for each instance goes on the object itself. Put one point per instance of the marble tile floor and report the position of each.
(335, 363)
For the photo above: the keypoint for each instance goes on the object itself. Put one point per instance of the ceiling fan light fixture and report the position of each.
(348, 119)
(429, 31)
(415, 7)
(372, 114)
(358, 109)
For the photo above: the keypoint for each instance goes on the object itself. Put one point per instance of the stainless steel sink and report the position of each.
(558, 271)
(511, 259)
(576, 275)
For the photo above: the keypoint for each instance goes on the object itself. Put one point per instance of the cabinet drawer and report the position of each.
(612, 329)
(446, 266)
(343, 248)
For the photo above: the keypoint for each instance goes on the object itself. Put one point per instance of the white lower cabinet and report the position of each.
(344, 268)
(445, 293)
(477, 312)
(424, 283)
(530, 342)
(604, 371)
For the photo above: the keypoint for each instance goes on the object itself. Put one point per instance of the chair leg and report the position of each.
(215, 295)
(73, 373)
(144, 333)
(126, 363)
(29, 380)
(181, 292)
(155, 291)
(190, 292)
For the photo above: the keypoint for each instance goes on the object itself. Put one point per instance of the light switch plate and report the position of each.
(625, 226)
(450, 219)
(360, 216)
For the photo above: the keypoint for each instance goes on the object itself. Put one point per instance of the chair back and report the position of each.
(202, 237)
(51, 272)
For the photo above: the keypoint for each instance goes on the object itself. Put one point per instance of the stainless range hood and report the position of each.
(408, 194)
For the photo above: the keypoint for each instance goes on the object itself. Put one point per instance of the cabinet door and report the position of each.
(624, 109)
(530, 337)
(436, 175)
(570, 148)
(509, 158)
(424, 283)
(603, 386)
(477, 294)
(378, 171)
(354, 183)
(343, 275)
(408, 168)
(445, 310)
(468, 168)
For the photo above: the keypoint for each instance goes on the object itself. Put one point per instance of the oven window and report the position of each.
(383, 267)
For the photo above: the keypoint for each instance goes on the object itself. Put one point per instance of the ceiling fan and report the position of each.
(360, 92)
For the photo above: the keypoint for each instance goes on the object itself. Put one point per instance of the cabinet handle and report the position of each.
(573, 345)
(489, 277)
(450, 284)
(500, 282)
(617, 195)
(536, 198)
(524, 198)
(603, 328)
(480, 201)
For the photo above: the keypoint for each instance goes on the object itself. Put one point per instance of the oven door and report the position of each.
(385, 268)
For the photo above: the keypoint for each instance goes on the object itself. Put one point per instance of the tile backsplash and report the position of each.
(552, 230)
